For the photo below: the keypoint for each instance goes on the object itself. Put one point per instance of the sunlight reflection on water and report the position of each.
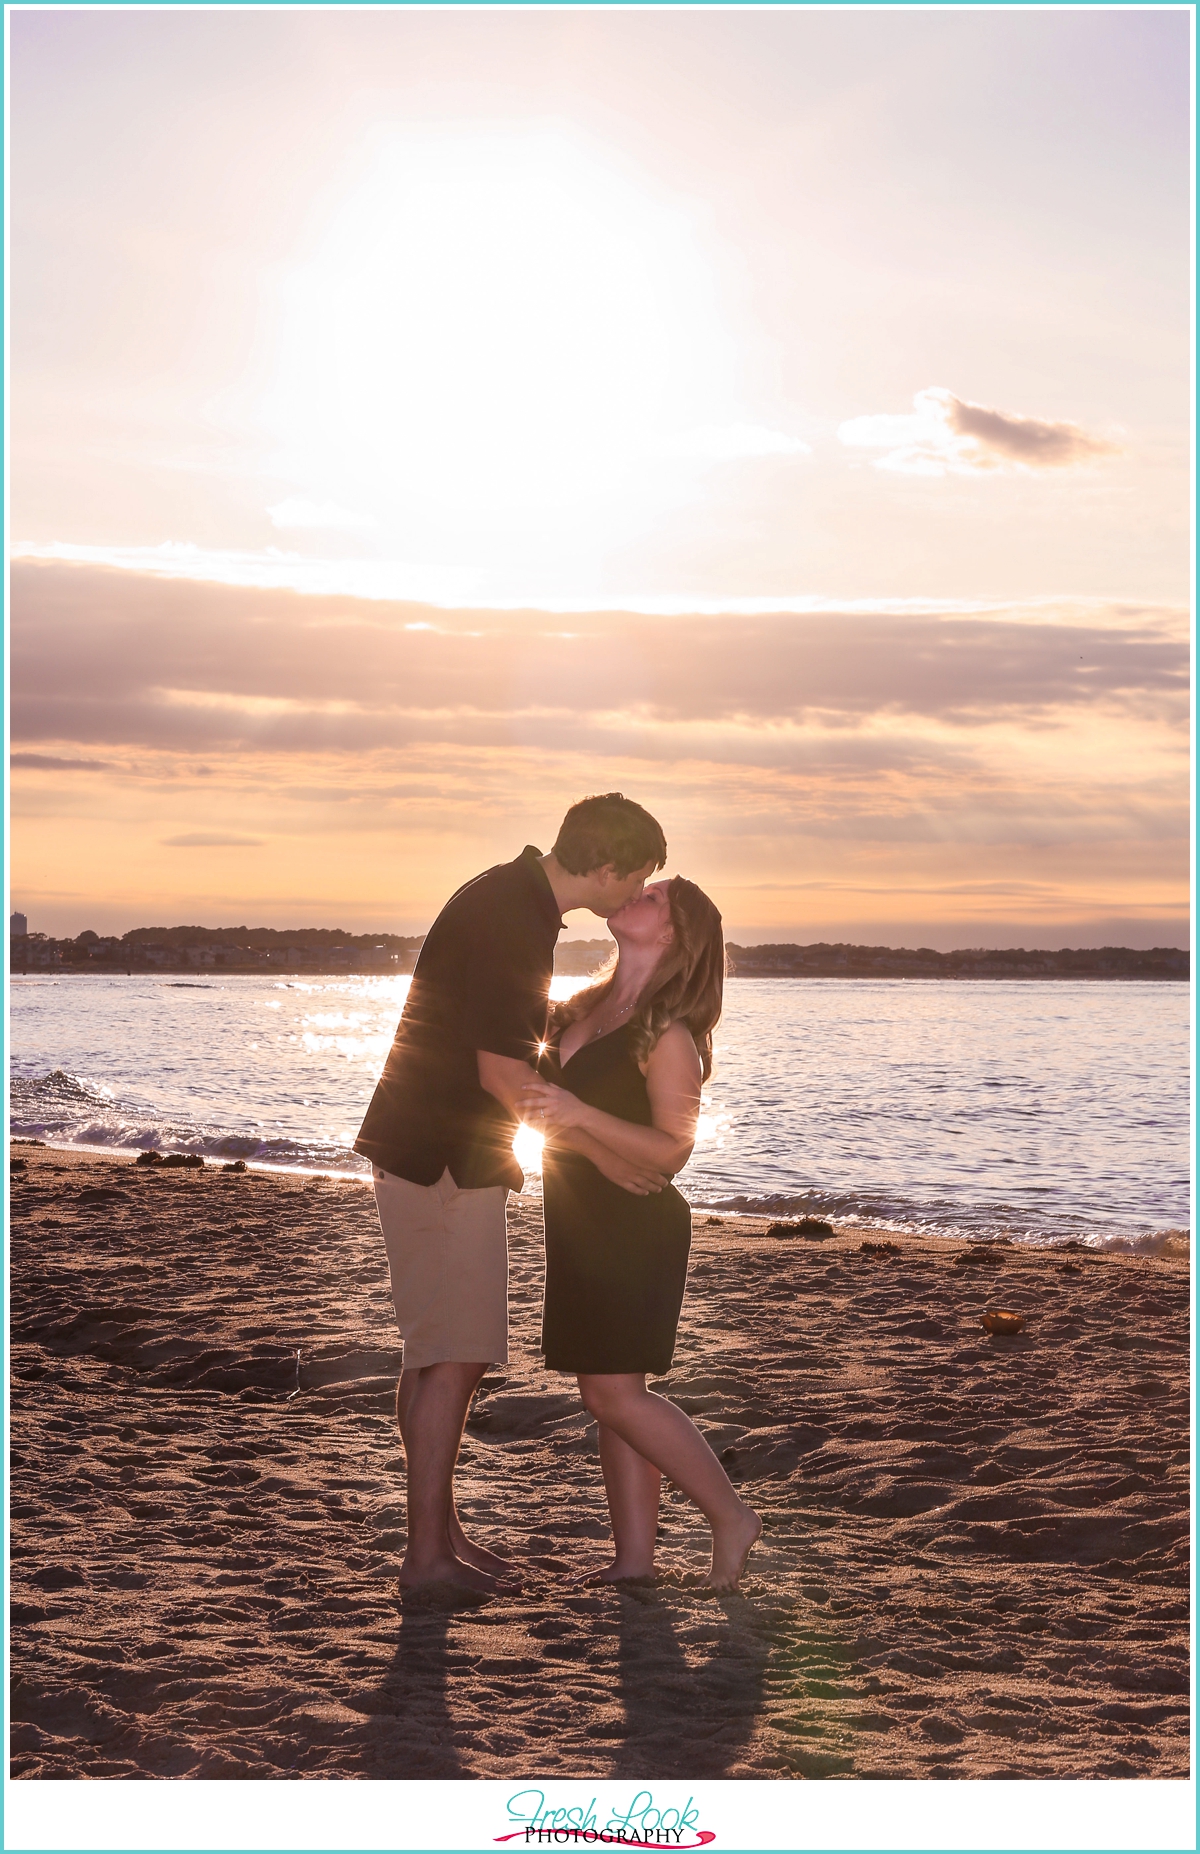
(984, 1107)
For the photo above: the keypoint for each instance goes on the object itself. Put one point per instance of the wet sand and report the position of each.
(974, 1563)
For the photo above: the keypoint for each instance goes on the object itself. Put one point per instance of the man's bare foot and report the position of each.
(731, 1548)
(451, 1570)
(612, 1574)
(477, 1555)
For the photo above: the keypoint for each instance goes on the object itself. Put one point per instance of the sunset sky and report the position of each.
(420, 419)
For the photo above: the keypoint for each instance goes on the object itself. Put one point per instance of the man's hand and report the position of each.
(504, 1078)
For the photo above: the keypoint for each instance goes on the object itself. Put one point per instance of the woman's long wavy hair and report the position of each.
(686, 985)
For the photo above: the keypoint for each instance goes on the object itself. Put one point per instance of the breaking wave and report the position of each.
(978, 1223)
(68, 1110)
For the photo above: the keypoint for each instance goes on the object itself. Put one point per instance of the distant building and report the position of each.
(18, 926)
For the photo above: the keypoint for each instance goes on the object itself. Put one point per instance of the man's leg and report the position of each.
(432, 1414)
(460, 1545)
(448, 1264)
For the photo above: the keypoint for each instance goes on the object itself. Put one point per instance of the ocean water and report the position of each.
(1037, 1111)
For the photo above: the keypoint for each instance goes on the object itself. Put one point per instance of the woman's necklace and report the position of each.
(612, 1022)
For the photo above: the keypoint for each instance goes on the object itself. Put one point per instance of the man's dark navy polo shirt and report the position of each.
(482, 981)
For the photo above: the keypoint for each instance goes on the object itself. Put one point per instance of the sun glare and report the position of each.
(495, 329)
(527, 1149)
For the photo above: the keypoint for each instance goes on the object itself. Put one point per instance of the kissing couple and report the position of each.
(612, 1078)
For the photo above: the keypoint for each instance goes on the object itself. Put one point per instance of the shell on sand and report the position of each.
(1002, 1320)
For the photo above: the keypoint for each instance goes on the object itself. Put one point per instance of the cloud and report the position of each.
(296, 512)
(270, 568)
(852, 749)
(335, 727)
(945, 435)
(1038, 443)
(448, 591)
(211, 840)
(116, 659)
(45, 762)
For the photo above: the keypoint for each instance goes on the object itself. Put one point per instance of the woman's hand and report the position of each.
(547, 1108)
(633, 1175)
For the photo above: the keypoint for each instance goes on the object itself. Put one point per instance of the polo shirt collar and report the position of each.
(530, 860)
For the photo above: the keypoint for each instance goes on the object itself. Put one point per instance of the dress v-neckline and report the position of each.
(588, 1044)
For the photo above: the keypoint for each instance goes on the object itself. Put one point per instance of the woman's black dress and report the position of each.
(616, 1264)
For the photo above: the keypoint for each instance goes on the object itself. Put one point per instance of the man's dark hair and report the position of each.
(609, 829)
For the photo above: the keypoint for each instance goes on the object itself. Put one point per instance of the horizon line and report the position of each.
(588, 940)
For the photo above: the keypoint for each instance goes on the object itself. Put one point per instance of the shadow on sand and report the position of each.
(412, 1733)
(691, 1679)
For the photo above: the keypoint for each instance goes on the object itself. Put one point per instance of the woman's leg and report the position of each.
(632, 1485)
(661, 1433)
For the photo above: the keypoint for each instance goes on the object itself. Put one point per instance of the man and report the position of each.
(439, 1136)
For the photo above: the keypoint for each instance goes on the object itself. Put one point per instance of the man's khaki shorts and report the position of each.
(447, 1253)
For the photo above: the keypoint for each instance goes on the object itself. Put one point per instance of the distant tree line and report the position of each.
(250, 949)
(268, 938)
(230, 949)
(332, 950)
(837, 960)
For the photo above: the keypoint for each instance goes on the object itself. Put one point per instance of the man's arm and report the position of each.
(504, 1077)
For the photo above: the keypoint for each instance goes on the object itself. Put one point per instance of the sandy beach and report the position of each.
(974, 1563)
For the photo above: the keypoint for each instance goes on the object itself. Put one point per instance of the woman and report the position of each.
(622, 1088)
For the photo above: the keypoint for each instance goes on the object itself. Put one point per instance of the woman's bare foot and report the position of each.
(731, 1547)
(613, 1574)
(452, 1570)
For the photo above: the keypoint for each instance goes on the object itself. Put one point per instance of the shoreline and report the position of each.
(1172, 1240)
(974, 1563)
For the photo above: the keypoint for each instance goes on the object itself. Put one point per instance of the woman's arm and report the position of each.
(673, 1085)
(638, 1176)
